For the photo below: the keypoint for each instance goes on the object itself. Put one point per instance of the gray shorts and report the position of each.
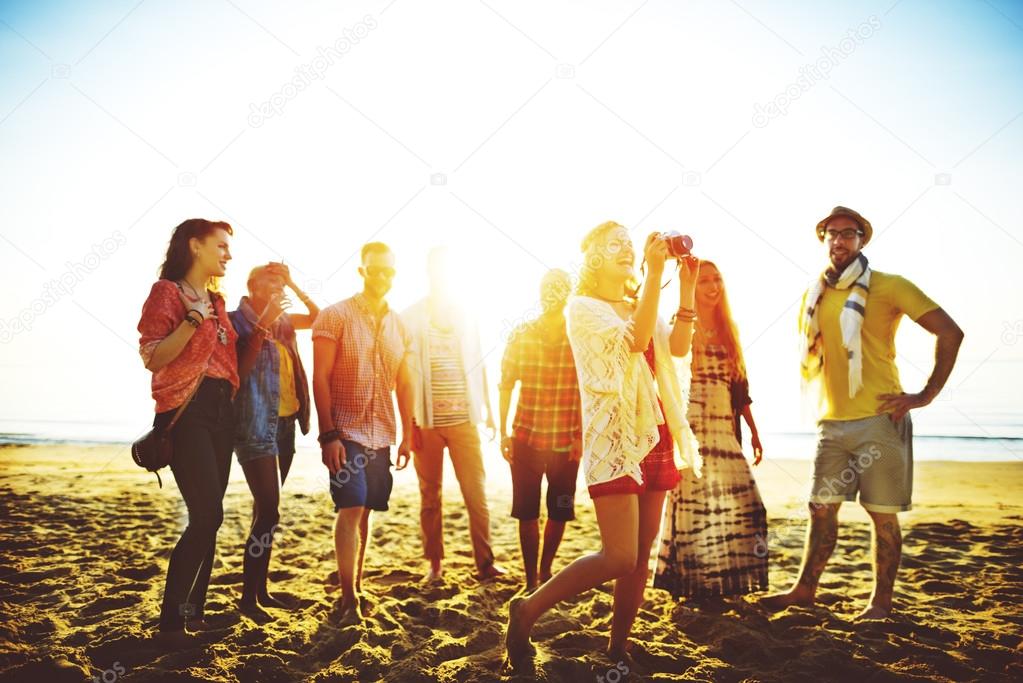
(872, 456)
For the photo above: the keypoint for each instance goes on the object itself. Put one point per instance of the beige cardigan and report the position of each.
(619, 395)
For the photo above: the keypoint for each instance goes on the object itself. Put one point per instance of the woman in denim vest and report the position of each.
(273, 395)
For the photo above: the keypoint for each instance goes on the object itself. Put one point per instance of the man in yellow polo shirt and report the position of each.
(847, 325)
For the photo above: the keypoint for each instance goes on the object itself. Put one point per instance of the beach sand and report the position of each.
(86, 536)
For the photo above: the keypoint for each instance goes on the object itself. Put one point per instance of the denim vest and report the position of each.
(256, 403)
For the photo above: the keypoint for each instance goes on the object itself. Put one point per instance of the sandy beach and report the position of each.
(86, 537)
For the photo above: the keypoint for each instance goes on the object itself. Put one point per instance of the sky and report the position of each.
(506, 130)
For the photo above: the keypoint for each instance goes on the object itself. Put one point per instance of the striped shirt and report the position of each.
(447, 379)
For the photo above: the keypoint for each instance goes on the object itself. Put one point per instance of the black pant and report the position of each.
(203, 440)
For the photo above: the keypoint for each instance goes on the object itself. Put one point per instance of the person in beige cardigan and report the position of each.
(633, 414)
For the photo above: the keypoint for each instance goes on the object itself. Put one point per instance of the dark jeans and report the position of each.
(203, 439)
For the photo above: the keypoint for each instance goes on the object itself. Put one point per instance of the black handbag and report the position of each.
(155, 450)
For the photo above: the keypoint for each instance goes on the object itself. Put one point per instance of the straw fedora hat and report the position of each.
(864, 224)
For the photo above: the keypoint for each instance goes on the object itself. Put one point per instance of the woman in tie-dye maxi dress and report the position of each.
(714, 536)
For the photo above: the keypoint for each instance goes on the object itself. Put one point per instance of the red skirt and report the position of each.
(658, 467)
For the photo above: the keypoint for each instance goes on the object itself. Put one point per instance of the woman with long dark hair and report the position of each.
(714, 537)
(188, 343)
(633, 414)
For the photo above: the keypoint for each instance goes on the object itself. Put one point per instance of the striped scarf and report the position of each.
(856, 276)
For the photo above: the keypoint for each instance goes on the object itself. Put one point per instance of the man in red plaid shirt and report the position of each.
(547, 435)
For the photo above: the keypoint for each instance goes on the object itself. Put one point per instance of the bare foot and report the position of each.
(250, 608)
(873, 612)
(620, 656)
(545, 576)
(490, 572)
(530, 588)
(175, 639)
(348, 612)
(267, 600)
(516, 643)
(779, 601)
(435, 574)
(198, 625)
(366, 604)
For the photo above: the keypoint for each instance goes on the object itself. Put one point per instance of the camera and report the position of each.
(679, 245)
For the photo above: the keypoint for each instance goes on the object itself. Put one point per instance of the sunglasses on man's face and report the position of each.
(847, 234)
(375, 271)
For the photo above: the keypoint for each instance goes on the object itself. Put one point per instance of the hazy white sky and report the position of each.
(509, 129)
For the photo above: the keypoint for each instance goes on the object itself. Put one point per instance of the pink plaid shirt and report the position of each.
(365, 369)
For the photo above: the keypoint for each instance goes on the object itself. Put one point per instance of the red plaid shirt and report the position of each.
(548, 415)
(365, 369)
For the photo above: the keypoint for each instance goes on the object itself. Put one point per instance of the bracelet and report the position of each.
(192, 321)
(327, 437)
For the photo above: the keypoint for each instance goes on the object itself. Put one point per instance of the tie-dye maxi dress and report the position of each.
(714, 536)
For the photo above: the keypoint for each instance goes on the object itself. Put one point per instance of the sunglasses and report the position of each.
(374, 271)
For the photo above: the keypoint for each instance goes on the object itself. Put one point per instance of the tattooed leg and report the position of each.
(887, 556)
(821, 538)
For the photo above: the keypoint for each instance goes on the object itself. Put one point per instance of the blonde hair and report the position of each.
(587, 285)
(725, 322)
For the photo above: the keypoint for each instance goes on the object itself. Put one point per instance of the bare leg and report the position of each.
(887, 556)
(553, 532)
(529, 541)
(821, 538)
(363, 542)
(261, 476)
(630, 589)
(618, 520)
(346, 547)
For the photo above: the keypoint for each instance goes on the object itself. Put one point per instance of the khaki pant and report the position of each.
(463, 444)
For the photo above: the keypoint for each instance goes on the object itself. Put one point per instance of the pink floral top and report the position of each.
(161, 315)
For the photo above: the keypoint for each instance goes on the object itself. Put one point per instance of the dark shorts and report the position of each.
(364, 480)
(528, 469)
(286, 436)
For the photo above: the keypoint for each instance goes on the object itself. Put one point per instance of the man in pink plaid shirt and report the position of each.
(360, 349)
(547, 435)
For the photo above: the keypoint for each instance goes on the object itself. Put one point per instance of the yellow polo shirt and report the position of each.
(890, 297)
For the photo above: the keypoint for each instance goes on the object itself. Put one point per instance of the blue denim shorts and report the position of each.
(364, 480)
(285, 443)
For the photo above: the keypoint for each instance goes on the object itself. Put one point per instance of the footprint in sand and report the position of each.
(143, 573)
(109, 604)
(938, 587)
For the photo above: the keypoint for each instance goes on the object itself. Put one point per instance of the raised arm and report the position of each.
(248, 349)
(299, 321)
(681, 338)
(163, 335)
(644, 318)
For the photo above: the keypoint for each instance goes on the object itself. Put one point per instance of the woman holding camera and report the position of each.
(273, 397)
(187, 341)
(633, 413)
